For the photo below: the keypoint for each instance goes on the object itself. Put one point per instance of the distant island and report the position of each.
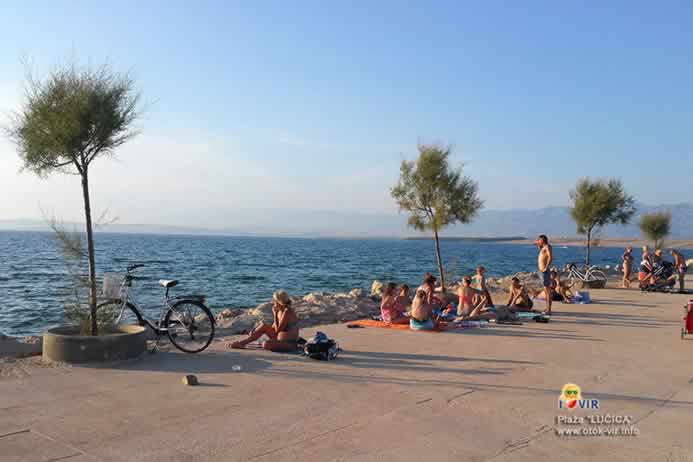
(469, 239)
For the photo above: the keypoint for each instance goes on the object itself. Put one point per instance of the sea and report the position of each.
(241, 272)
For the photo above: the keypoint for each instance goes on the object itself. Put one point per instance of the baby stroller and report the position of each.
(659, 279)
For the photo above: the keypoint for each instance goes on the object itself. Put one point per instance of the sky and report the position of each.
(251, 107)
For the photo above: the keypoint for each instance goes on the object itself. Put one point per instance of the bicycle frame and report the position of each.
(127, 297)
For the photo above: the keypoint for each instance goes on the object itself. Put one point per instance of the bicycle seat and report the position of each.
(168, 283)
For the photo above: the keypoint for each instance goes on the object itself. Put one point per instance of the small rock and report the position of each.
(190, 380)
(377, 288)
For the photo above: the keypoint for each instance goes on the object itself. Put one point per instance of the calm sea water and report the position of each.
(239, 271)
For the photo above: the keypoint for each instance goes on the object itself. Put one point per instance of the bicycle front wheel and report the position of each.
(190, 326)
(116, 313)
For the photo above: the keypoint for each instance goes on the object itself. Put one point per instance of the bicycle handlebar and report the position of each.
(134, 267)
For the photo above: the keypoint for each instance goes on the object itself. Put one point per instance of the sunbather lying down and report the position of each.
(283, 333)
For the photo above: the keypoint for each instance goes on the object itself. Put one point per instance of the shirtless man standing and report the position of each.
(680, 263)
(544, 266)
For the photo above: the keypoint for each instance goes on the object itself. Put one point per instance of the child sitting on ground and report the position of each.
(480, 280)
(391, 309)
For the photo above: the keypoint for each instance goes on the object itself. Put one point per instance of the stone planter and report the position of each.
(598, 284)
(66, 345)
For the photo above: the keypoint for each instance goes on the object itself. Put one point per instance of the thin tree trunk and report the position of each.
(589, 241)
(440, 260)
(90, 252)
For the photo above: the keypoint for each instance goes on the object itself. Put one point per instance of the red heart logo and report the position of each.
(571, 403)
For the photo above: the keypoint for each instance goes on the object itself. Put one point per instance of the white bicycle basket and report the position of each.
(111, 285)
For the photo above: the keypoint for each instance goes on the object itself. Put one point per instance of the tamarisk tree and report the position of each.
(67, 121)
(435, 195)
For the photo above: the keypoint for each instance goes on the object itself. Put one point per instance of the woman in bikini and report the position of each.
(627, 266)
(283, 333)
(391, 307)
(467, 296)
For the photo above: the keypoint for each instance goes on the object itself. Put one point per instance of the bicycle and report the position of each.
(590, 274)
(185, 319)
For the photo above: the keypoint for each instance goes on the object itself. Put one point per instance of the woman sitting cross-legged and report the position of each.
(422, 317)
(392, 308)
(283, 333)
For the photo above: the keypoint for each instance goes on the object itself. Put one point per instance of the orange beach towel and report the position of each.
(372, 323)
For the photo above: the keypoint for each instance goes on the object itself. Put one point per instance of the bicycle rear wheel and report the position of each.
(190, 326)
(596, 276)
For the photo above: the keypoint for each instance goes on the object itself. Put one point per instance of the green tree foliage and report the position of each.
(597, 203)
(656, 226)
(435, 195)
(67, 121)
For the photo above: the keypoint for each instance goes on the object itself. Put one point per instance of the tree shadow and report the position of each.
(208, 362)
(420, 357)
(616, 320)
(412, 363)
(518, 331)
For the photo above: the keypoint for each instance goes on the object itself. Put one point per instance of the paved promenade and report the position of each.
(474, 395)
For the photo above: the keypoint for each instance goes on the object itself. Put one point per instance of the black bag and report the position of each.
(321, 347)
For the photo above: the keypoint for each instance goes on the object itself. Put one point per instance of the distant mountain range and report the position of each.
(554, 221)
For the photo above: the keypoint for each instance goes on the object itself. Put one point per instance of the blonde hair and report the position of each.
(645, 249)
(281, 297)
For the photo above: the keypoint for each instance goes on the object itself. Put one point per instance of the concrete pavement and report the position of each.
(471, 395)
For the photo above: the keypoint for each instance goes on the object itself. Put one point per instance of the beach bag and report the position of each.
(321, 347)
(503, 314)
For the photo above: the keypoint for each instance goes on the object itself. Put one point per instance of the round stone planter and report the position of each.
(66, 345)
(598, 284)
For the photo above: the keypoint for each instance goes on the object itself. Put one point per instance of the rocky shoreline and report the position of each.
(313, 309)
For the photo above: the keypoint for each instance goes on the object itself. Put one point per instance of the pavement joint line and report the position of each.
(67, 445)
(296, 443)
(56, 459)
(468, 392)
(658, 406)
(17, 432)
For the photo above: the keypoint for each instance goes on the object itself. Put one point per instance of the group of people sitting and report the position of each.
(474, 301)
(655, 272)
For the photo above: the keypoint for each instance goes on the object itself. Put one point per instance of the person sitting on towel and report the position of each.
(519, 297)
(391, 307)
(471, 301)
(283, 333)
(422, 317)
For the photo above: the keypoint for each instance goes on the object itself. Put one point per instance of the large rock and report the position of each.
(312, 309)
(11, 347)
(377, 289)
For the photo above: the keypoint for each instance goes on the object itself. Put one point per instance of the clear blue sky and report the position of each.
(312, 105)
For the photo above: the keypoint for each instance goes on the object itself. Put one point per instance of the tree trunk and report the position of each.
(589, 241)
(90, 252)
(440, 261)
